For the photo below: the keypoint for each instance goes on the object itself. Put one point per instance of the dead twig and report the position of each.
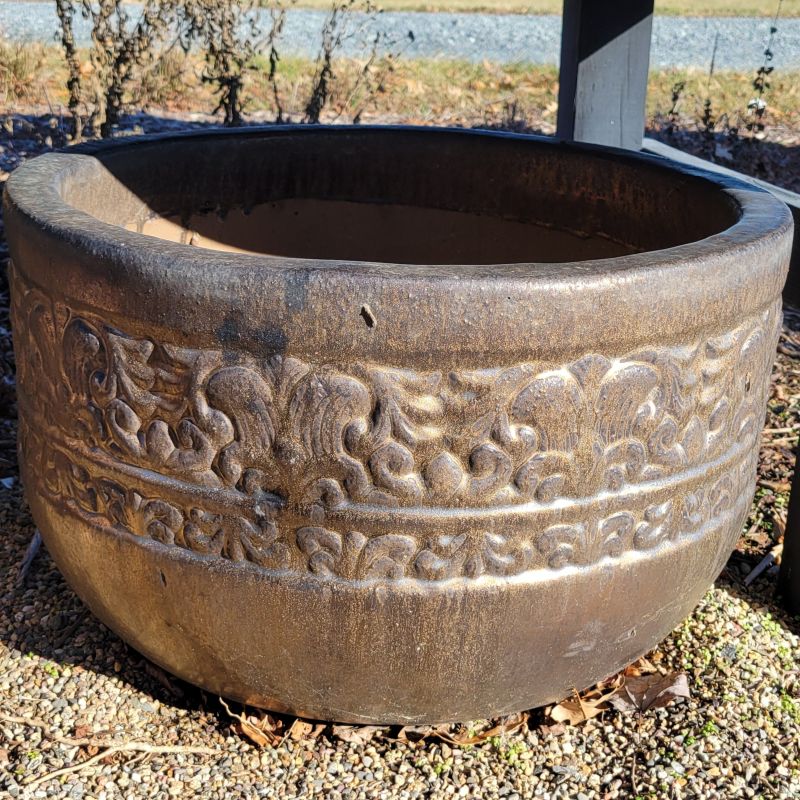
(773, 557)
(636, 747)
(107, 748)
(30, 554)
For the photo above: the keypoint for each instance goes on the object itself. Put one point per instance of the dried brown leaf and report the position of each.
(300, 729)
(357, 734)
(265, 731)
(418, 733)
(641, 667)
(504, 725)
(568, 711)
(553, 730)
(580, 708)
(638, 695)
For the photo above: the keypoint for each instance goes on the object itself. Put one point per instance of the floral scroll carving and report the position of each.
(301, 444)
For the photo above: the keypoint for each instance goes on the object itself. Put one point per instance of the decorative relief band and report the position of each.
(142, 436)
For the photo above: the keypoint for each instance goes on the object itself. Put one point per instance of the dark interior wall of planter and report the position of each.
(632, 202)
(791, 292)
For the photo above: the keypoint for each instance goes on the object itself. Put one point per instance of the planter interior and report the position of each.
(411, 203)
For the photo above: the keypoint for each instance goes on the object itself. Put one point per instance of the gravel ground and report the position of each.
(69, 687)
(63, 674)
(503, 38)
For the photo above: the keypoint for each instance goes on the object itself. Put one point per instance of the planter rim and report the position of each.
(743, 256)
(761, 212)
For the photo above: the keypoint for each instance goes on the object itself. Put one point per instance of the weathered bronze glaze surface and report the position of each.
(365, 490)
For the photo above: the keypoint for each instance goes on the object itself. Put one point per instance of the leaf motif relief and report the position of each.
(718, 398)
(615, 536)
(693, 441)
(318, 437)
(353, 555)
(679, 382)
(245, 399)
(490, 471)
(621, 401)
(192, 451)
(122, 427)
(148, 518)
(519, 441)
(692, 512)
(663, 444)
(443, 558)
(84, 361)
(561, 545)
(393, 468)
(721, 496)
(322, 547)
(553, 407)
(203, 532)
(322, 409)
(83, 368)
(387, 556)
(235, 538)
(66, 480)
(35, 334)
(133, 376)
(544, 476)
(157, 519)
(503, 555)
(581, 544)
(401, 434)
(751, 380)
(656, 527)
(330, 553)
(410, 403)
(622, 463)
(256, 542)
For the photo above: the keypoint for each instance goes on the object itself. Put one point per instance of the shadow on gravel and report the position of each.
(760, 594)
(42, 617)
(774, 162)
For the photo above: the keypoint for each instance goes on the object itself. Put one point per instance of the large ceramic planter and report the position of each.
(482, 428)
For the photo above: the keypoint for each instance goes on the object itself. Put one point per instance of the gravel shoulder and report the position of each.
(733, 42)
(69, 686)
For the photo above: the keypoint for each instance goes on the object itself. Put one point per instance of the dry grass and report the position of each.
(729, 93)
(20, 66)
(419, 91)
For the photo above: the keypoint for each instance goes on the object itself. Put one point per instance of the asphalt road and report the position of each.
(677, 41)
